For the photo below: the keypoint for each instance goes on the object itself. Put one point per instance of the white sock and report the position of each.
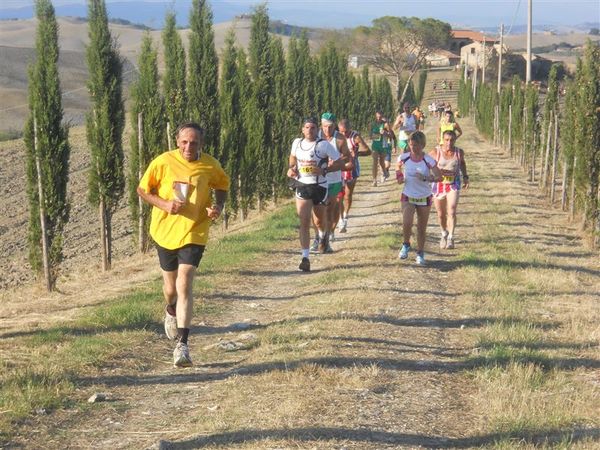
(305, 252)
(321, 234)
(450, 236)
(445, 233)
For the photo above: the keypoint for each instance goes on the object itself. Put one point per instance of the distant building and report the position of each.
(460, 38)
(355, 61)
(473, 54)
(442, 58)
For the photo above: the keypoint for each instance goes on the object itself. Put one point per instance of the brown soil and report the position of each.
(377, 363)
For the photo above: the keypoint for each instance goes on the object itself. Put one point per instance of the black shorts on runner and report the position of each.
(314, 192)
(188, 254)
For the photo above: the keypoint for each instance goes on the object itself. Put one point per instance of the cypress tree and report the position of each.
(589, 111)
(294, 75)
(282, 132)
(248, 182)
(203, 74)
(518, 102)
(233, 136)
(148, 108)
(308, 85)
(47, 150)
(174, 79)
(104, 123)
(261, 70)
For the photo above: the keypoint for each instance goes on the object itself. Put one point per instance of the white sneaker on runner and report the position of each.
(181, 355)
(404, 251)
(450, 243)
(170, 325)
(420, 258)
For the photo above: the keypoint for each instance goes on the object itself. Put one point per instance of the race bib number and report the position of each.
(306, 170)
(418, 201)
(448, 179)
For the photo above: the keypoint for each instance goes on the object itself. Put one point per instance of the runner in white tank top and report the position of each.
(417, 171)
(308, 166)
(335, 187)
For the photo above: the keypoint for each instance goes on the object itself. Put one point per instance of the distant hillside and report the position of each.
(151, 14)
(17, 41)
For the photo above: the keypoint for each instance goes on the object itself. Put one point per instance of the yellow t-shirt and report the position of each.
(191, 224)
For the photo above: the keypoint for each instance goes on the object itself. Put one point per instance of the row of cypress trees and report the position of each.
(251, 108)
(555, 141)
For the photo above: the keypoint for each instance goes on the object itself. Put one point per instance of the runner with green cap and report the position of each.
(334, 179)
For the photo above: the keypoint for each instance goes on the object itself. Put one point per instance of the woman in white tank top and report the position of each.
(417, 171)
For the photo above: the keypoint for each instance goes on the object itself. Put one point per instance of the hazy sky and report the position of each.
(354, 12)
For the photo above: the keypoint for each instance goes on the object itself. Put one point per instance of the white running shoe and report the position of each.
(420, 258)
(181, 355)
(450, 243)
(404, 251)
(343, 225)
(170, 325)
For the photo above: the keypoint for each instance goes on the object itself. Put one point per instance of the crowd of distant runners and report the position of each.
(187, 189)
(324, 167)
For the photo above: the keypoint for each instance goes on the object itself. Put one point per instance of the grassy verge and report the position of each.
(40, 373)
(531, 362)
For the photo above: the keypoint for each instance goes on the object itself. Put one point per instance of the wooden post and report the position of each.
(169, 139)
(547, 156)
(242, 206)
(523, 138)
(563, 193)
(496, 125)
(554, 160)
(141, 230)
(572, 204)
(500, 58)
(42, 209)
(510, 147)
(103, 239)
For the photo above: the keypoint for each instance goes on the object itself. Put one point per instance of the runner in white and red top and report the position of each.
(358, 147)
(451, 161)
(310, 160)
(417, 171)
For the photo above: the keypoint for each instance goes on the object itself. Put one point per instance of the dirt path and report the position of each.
(365, 352)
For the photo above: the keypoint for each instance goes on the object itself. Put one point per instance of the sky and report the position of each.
(350, 13)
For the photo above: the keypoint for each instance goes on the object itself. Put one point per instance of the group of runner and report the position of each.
(324, 167)
(187, 189)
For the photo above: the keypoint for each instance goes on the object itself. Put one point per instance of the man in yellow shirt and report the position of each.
(178, 185)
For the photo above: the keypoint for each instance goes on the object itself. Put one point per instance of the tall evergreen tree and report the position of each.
(589, 110)
(294, 76)
(261, 70)
(47, 150)
(202, 86)
(174, 79)
(104, 123)
(248, 183)
(281, 132)
(233, 134)
(148, 111)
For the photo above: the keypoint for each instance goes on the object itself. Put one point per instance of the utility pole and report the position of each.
(529, 31)
(483, 64)
(466, 68)
(500, 57)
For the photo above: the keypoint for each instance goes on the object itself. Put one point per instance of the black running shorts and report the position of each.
(188, 254)
(314, 192)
